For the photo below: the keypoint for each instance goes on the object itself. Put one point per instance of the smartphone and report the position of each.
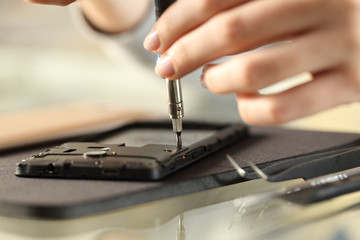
(138, 151)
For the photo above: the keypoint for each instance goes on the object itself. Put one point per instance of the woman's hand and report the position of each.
(320, 36)
(52, 2)
(110, 16)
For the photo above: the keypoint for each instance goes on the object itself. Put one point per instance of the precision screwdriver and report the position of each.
(174, 94)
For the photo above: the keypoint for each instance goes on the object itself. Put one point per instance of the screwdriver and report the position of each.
(173, 87)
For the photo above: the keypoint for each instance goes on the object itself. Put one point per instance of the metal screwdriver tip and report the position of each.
(178, 140)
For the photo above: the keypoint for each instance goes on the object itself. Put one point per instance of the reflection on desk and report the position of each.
(223, 213)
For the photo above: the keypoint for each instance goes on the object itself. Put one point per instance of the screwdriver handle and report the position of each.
(161, 6)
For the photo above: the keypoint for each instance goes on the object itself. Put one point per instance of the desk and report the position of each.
(114, 207)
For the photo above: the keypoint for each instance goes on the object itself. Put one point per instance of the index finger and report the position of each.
(52, 2)
(180, 18)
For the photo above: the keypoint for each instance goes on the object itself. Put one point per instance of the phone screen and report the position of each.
(140, 137)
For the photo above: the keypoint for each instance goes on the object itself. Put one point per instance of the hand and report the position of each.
(109, 16)
(320, 36)
(52, 2)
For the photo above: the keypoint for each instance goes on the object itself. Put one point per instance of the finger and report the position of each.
(248, 26)
(180, 18)
(313, 52)
(325, 91)
(52, 2)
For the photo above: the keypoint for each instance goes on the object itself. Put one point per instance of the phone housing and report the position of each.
(138, 151)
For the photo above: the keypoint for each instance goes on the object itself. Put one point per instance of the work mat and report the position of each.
(67, 198)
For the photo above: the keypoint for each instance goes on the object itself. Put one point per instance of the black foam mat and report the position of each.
(67, 198)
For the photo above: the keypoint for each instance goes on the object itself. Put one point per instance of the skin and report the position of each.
(317, 36)
(322, 37)
(109, 16)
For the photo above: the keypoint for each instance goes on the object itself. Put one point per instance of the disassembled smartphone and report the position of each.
(138, 151)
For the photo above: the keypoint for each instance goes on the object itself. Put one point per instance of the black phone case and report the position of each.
(117, 161)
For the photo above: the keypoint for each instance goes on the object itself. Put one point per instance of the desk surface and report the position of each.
(64, 198)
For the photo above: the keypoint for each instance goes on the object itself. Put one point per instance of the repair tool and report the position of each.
(174, 95)
(312, 190)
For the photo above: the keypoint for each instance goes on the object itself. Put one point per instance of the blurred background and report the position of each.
(45, 61)
(38, 48)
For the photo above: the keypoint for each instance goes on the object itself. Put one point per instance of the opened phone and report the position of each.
(138, 151)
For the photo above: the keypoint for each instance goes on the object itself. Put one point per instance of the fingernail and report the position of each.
(164, 67)
(152, 42)
(202, 81)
